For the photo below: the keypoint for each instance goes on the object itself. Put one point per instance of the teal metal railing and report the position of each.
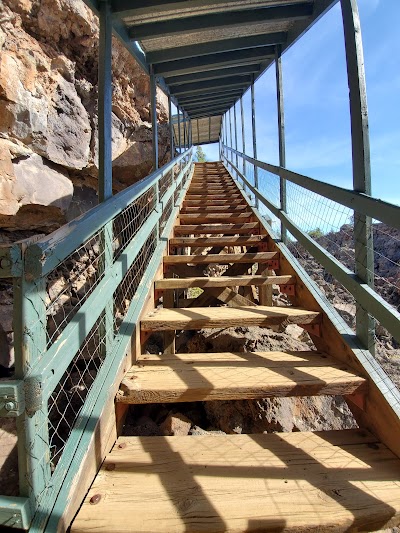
(316, 213)
(78, 293)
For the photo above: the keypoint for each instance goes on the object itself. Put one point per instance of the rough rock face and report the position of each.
(48, 113)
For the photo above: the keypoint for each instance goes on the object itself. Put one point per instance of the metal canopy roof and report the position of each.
(205, 130)
(206, 53)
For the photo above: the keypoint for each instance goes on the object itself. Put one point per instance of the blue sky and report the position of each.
(316, 102)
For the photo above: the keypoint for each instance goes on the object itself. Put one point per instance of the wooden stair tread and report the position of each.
(219, 229)
(236, 376)
(223, 281)
(223, 317)
(256, 257)
(217, 241)
(332, 481)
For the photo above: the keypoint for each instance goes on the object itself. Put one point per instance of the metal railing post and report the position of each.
(363, 232)
(253, 124)
(154, 124)
(171, 130)
(243, 138)
(179, 135)
(230, 132)
(281, 134)
(236, 146)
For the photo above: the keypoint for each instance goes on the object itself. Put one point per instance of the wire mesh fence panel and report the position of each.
(68, 398)
(167, 210)
(269, 186)
(165, 182)
(70, 284)
(130, 220)
(387, 263)
(127, 288)
(336, 294)
(326, 221)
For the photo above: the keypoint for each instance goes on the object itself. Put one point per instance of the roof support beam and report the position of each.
(214, 47)
(154, 124)
(105, 103)
(220, 20)
(214, 61)
(233, 92)
(224, 83)
(205, 98)
(213, 74)
(143, 8)
(281, 135)
(363, 236)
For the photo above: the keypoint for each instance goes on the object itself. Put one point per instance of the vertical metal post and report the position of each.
(281, 134)
(179, 130)
(230, 134)
(243, 135)
(105, 103)
(236, 146)
(253, 125)
(171, 130)
(154, 124)
(363, 236)
(184, 130)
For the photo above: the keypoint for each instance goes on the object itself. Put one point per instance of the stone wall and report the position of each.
(48, 114)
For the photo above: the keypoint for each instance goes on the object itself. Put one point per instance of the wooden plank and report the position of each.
(217, 208)
(205, 202)
(335, 481)
(234, 376)
(217, 317)
(206, 242)
(223, 281)
(219, 229)
(214, 218)
(225, 295)
(258, 257)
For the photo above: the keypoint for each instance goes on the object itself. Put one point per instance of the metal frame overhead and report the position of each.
(209, 51)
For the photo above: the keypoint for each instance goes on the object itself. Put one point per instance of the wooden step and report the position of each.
(204, 196)
(227, 229)
(214, 208)
(221, 259)
(223, 281)
(236, 376)
(224, 317)
(214, 218)
(332, 481)
(205, 242)
(203, 202)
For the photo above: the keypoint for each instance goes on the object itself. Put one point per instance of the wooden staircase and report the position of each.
(327, 481)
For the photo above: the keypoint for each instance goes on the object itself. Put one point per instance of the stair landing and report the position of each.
(333, 481)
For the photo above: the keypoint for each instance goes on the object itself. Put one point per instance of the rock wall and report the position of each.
(48, 114)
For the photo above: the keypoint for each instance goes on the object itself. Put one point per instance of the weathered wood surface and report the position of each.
(234, 376)
(225, 317)
(257, 257)
(223, 281)
(206, 242)
(218, 229)
(335, 481)
(213, 218)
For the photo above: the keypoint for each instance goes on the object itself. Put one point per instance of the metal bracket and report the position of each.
(273, 264)
(313, 329)
(33, 394)
(12, 398)
(263, 247)
(289, 289)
